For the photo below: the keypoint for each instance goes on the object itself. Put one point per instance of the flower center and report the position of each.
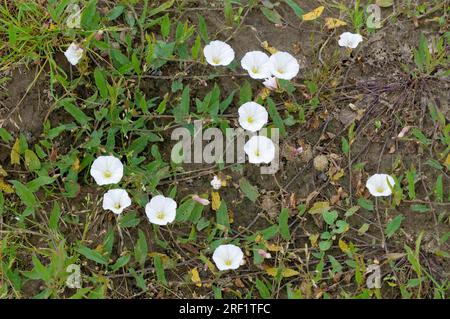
(257, 153)
(160, 215)
(380, 189)
(216, 60)
(250, 119)
(117, 206)
(255, 70)
(280, 70)
(107, 174)
(228, 262)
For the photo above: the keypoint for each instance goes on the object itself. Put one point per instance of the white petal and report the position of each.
(259, 149)
(116, 200)
(350, 40)
(380, 185)
(284, 66)
(216, 183)
(254, 112)
(74, 53)
(257, 64)
(228, 257)
(109, 165)
(271, 83)
(218, 53)
(160, 205)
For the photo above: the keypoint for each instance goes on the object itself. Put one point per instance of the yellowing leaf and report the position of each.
(313, 15)
(215, 200)
(338, 175)
(319, 207)
(273, 247)
(3, 173)
(333, 23)
(343, 246)
(313, 239)
(287, 272)
(76, 165)
(5, 187)
(447, 161)
(15, 153)
(384, 3)
(268, 48)
(195, 277)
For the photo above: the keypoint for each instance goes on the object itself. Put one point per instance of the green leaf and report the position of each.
(196, 49)
(32, 161)
(129, 220)
(411, 177)
(141, 249)
(182, 110)
(248, 189)
(294, 6)
(184, 210)
(5, 136)
(324, 245)
(37, 183)
(330, 216)
(101, 83)
(222, 215)
(76, 112)
(345, 145)
(90, 18)
(245, 93)
(420, 208)
(166, 5)
(439, 189)
(115, 13)
(393, 225)
(272, 15)
(25, 195)
(275, 116)
(283, 224)
(202, 29)
(366, 203)
(159, 269)
(54, 217)
(92, 255)
(262, 289)
(121, 262)
(165, 26)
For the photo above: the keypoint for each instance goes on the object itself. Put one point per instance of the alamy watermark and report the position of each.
(228, 149)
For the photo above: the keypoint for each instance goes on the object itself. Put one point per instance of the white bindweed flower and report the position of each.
(259, 149)
(350, 40)
(252, 116)
(161, 210)
(107, 170)
(380, 184)
(218, 53)
(284, 66)
(271, 83)
(74, 19)
(216, 183)
(74, 53)
(256, 63)
(116, 200)
(228, 257)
